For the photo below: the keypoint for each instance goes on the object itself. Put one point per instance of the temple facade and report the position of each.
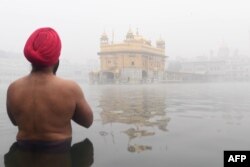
(135, 60)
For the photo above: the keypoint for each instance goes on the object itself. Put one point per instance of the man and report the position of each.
(42, 104)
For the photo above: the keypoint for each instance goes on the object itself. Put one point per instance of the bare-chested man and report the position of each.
(42, 104)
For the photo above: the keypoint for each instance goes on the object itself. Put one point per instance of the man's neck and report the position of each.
(46, 71)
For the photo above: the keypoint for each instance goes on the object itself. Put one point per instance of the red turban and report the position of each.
(43, 47)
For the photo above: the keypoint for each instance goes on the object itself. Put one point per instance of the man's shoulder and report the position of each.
(66, 82)
(17, 82)
(69, 84)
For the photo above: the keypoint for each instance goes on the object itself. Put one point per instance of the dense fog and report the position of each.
(190, 28)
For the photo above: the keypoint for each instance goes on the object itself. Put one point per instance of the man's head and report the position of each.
(43, 48)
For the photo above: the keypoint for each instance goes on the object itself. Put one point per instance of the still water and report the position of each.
(172, 125)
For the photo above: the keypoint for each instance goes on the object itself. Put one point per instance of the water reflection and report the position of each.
(79, 155)
(138, 148)
(144, 108)
(136, 133)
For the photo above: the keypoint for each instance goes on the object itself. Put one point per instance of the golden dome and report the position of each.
(104, 36)
(160, 43)
(130, 34)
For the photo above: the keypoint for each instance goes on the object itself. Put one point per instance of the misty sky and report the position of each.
(189, 27)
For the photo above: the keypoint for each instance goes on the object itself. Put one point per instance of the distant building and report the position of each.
(134, 60)
(14, 66)
(223, 51)
(226, 66)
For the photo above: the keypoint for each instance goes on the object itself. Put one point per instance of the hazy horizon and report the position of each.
(190, 28)
(185, 114)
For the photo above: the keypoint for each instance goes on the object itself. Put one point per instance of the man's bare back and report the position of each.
(42, 106)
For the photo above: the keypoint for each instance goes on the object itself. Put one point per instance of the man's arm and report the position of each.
(9, 94)
(83, 114)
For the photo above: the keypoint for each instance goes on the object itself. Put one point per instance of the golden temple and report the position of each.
(135, 60)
